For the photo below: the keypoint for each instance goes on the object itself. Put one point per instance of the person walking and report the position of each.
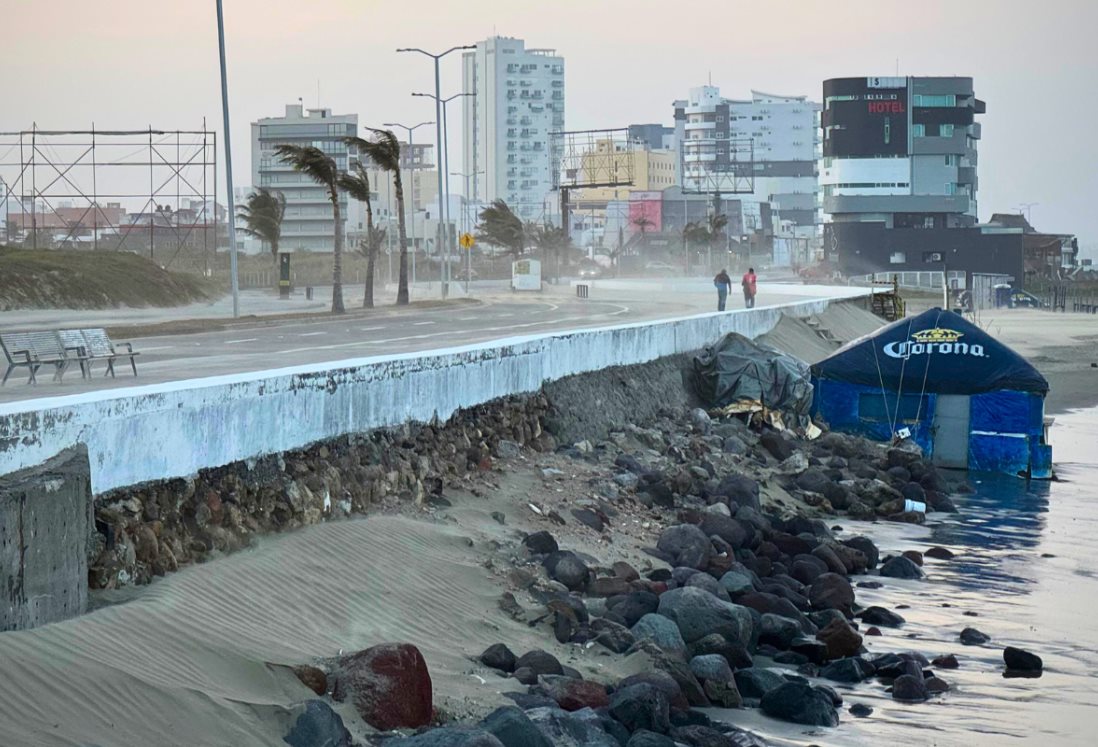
(749, 287)
(723, 284)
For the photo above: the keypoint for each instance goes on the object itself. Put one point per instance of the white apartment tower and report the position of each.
(784, 131)
(507, 129)
(307, 223)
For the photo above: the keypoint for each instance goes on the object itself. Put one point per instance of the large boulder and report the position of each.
(452, 736)
(318, 726)
(778, 631)
(725, 527)
(800, 703)
(755, 682)
(572, 694)
(662, 631)
(685, 545)
(540, 543)
(633, 606)
(645, 738)
(1020, 660)
(498, 656)
(841, 639)
(539, 662)
(641, 706)
(389, 686)
(776, 445)
(880, 616)
(832, 592)
(741, 490)
(733, 651)
(910, 688)
(569, 569)
(698, 613)
(849, 670)
(511, 726)
(563, 728)
(900, 567)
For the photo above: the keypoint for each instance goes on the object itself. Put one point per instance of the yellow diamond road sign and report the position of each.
(467, 241)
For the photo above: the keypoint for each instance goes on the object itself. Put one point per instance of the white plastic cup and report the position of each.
(917, 506)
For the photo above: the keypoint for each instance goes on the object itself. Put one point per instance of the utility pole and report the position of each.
(228, 163)
(412, 184)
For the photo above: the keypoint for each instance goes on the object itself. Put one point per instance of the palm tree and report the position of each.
(383, 149)
(694, 235)
(499, 226)
(643, 222)
(551, 240)
(322, 169)
(262, 213)
(357, 185)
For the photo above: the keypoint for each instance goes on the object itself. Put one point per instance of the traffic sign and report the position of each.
(467, 241)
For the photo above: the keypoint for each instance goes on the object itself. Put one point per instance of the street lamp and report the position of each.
(465, 225)
(444, 164)
(412, 171)
(438, 106)
(228, 163)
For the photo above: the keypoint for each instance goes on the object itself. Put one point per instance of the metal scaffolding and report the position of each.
(80, 188)
(718, 167)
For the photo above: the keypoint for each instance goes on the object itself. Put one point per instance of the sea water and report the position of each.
(1026, 572)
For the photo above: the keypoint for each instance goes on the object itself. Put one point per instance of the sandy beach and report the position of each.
(203, 656)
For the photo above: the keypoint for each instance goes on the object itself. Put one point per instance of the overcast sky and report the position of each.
(132, 63)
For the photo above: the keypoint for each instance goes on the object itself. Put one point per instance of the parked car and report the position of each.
(661, 268)
(590, 271)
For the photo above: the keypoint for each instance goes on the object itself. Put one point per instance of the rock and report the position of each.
(700, 419)
(914, 556)
(815, 651)
(641, 706)
(778, 631)
(613, 636)
(698, 613)
(900, 567)
(734, 445)
(755, 682)
(588, 518)
(711, 667)
(939, 553)
(645, 738)
(498, 656)
(734, 652)
(880, 616)
(685, 545)
(313, 678)
(608, 586)
(841, 639)
(813, 480)
(867, 548)
(539, 662)
(736, 583)
(662, 681)
(741, 490)
(572, 694)
(801, 704)
(567, 568)
(507, 449)
(949, 661)
(909, 688)
(525, 675)
(850, 670)
(389, 686)
(860, 710)
(318, 726)
(776, 445)
(973, 637)
(634, 606)
(795, 464)
(1020, 660)
(725, 527)
(832, 591)
(936, 685)
(560, 727)
(513, 728)
(452, 736)
(661, 631)
(540, 543)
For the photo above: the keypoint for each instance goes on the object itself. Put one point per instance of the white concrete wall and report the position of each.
(169, 430)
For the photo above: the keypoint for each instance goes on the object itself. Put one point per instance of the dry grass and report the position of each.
(54, 278)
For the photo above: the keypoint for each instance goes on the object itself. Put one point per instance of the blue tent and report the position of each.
(968, 400)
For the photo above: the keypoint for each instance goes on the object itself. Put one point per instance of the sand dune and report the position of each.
(194, 659)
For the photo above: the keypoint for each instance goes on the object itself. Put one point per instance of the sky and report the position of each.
(134, 63)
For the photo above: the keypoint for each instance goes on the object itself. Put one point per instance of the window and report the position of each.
(951, 160)
(918, 130)
(945, 130)
(888, 130)
(897, 258)
(946, 100)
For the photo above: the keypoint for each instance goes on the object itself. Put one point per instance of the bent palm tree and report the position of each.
(262, 213)
(383, 149)
(357, 185)
(499, 226)
(322, 169)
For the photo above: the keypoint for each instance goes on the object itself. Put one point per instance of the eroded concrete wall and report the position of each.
(45, 525)
(175, 429)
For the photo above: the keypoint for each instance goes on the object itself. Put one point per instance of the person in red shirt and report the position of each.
(749, 287)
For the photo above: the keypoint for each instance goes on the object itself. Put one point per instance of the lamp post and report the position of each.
(465, 225)
(412, 171)
(438, 108)
(228, 163)
(444, 165)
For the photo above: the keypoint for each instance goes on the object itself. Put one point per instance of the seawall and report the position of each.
(163, 431)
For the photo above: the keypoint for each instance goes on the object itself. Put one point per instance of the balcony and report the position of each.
(896, 203)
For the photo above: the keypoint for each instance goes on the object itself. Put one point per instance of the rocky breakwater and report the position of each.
(153, 529)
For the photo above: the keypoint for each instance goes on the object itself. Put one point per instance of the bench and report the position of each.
(98, 346)
(32, 350)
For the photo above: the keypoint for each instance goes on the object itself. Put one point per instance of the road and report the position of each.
(261, 344)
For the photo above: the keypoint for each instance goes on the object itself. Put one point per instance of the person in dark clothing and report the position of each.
(723, 284)
(749, 287)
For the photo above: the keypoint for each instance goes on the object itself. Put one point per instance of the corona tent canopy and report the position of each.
(967, 399)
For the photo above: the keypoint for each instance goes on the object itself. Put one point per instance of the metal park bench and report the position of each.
(33, 350)
(98, 346)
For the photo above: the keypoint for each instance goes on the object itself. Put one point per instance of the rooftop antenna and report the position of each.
(318, 93)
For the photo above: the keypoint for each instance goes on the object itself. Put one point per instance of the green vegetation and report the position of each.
(262, 213)
(383, 149)
(357, 185)
(60, 279)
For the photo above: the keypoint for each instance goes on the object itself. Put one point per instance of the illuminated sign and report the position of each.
(886, 107)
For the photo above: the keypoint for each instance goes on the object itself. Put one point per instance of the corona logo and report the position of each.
(933, 341)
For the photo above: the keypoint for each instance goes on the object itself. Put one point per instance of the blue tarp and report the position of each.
(936, 351)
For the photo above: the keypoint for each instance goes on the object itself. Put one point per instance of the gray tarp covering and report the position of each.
(737, 369)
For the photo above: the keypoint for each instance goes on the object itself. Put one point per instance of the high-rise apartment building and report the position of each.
(308, 221)
(784, 136)
(507, 135)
